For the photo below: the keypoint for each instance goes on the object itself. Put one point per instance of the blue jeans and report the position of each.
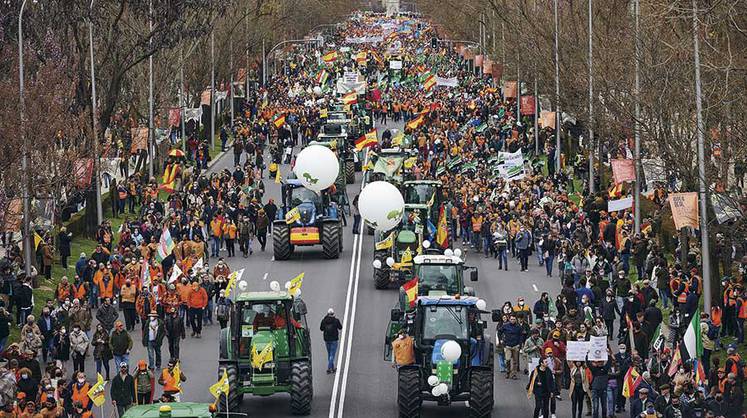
(124, 358)
(626, 263)
(154, 355)
(208, 314)
(539, 251)
(611, 395)
(104, 363)
(215, 247)
(599, 399)
(331, 352)
(486, 245)
(664, 296)
(2, 343)
(548, 264)
(501, 361)
(503, 259)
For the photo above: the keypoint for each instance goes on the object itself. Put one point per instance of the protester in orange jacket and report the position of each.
(197, 300)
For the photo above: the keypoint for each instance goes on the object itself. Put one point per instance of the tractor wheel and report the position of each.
(350, 172)
(481, 393)
(381, 278)
(281, 245)
(234, 394)
(409, 396)
(331, 240)
(301, 389)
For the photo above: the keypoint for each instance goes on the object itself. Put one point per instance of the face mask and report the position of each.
(521, 303)
(631, 298)
(24, 376)
(81, 380)
(609, 298)
(622, 351)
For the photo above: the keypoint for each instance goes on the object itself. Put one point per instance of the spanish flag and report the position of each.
(350, 98)
(630, 382)
(361, 57)
(415, 123)
(321, 78)
(411, 291)
(442, 233)
(367, 140)
(615, 192)
(429, 82)
(279, 120)
(330, 56)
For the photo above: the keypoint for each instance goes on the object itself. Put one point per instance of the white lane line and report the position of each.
(265, 276)
(333, 400)
(350, 332)
(534, 286)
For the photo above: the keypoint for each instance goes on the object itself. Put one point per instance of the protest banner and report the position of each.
(623, 170)
(11, 215)
(528, 105)
(497, 71)
(577, 350)
(653, 170)
(725, 207)
(83, 169)
(205, 98)
(448, 82)
(479, 58)
(139, 138)
(684, 209)
(175, 115)
(509, 89)
(395, 65)
(547, 119)
(620, 204)
(194, 114)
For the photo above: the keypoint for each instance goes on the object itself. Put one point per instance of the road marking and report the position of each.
(265, 276)
(350, 331)
(534, 286)
(355, 265)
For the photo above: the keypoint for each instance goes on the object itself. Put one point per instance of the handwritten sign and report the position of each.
(598, 349)
(577, 350)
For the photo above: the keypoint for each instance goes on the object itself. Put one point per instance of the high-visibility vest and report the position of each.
(716, 314)
(79, 291)
(63, 292)
(169, 381)
(742, 314)
(81, 395)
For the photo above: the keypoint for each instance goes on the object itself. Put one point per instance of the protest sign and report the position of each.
(448, 82)
(623, 170)
(598, 349)
(577, 350)
(684, 209)
(528, 105)
(174, 116)
(547, 119)
(620, 204)
(395, 65)
(653, 170)
(509, 89)
(205, 98)
(725, 207)
(139, 138)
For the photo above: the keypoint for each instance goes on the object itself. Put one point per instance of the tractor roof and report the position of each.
(178, 410)
(447, 301)
(293, 183)
(437, 259)
(263, 296)
(433, 182)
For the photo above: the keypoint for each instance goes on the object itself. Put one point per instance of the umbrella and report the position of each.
(176, 153)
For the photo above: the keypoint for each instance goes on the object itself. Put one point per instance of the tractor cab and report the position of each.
(266, 347)
(424, 195)
(451, 350)
(308, 202)
(440, 275)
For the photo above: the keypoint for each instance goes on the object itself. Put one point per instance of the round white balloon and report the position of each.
(274, 286)
(481, 305)
(316, 167)
(432, 380)
(450, 351)
(318, 91)
(381, 204)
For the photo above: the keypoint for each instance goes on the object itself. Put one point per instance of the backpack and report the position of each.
(221, 312)
(712, 332)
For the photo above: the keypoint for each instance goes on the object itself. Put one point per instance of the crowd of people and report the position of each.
(613, 281)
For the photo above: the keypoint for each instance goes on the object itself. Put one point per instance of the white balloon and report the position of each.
(274, 286)
(443, 388)
(436, 391)
(318, 91)
(287, 285)
(377, 264)
(458, 252)
(316, 167)
(382, 205)
(450, 351)
(432, 380)
(480, 304)
(448, 252)
(426, 244)
(389, 261)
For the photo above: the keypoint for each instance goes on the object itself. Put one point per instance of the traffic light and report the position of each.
(434, 42)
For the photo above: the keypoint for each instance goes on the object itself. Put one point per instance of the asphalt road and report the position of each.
(365, 384)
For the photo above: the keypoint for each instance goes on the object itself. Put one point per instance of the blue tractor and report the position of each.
(306, 218)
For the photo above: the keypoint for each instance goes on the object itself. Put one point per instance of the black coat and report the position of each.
(123, 390)
(331, 327)
(64, 245)
(544, 383)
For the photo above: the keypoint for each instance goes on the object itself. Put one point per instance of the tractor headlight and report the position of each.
(377, 264)
(389, 261)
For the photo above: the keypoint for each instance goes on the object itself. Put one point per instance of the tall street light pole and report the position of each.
(151, 136)
(24, 151)
(637, 124)
(557, 90)
(230, 48)
(212, 88)
(96, 156)
(705, 251)
(592, 186)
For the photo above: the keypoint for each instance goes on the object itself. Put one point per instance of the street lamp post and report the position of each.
(96, 156)
(24, 151)
(637, 123)
(151, 136)
(557, 89)
(212, 89)
(591, 102)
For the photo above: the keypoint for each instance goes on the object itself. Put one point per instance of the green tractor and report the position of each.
(389, 266)
(453, 355)
(335, 135)
(266, 349)
(424, 195)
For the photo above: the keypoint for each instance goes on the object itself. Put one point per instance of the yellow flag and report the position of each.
(97, 392)
(37, 240)
(387, 242)
(260, 358)
(232, 279)
(397, 139)
(292, 216)
(368, 166)
(221, 387)
(410, 162)
(323, 113)
(295, 284)
(176, 373)
(277, 176)
(406, 256)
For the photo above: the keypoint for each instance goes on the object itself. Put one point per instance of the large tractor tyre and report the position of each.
(301, 388)
(409, 395)
(481, 393)
(281, 245)
(331, 240)
(381, 278)
(350, 172)
(234, 393)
